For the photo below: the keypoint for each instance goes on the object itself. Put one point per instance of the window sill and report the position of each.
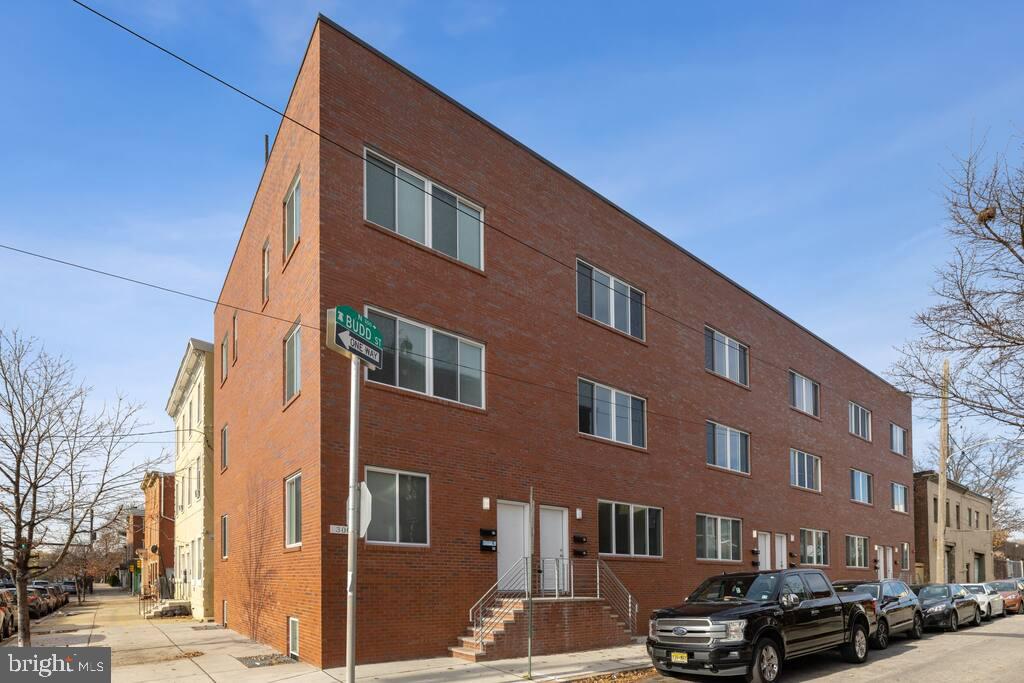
(899, 512)
(805, 490)
(902, 455)
(701, 560)
(422, 247)
(730, 380)
(293, 548)
(289, 402)
(611, 328)
(423, 397)
(726, 470)
(611, 442)
(863, 569)
(858, 436)
(642, 558)
(805, 413)
(862, 503)
(406, 547)
(291, 254)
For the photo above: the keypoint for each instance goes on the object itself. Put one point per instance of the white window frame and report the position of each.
(224, 358)
(614, 413)
(224, 545)
(633, 507)
(265, 284)
(199, 479)
(428, 213)
(869, 485)
(293, 653)
(398, 501)
(718, 538)
(224, 613)
(727, 341)
(795, 455)
(428, 361)
(291, 530)
(234, 337)
(612, 279)
(224, 435)
(296, 359)
(854, 408)
(894, 430)
(861, 547)
(728, 454)
(296, 217)
(818, 537)
(808, 389)
(893, 487)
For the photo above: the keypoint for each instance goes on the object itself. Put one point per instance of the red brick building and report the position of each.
(157, 553)
(671, 424)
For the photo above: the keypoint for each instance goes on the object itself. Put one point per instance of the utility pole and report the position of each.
(940, 534)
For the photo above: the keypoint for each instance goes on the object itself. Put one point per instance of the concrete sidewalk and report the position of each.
(180, 649)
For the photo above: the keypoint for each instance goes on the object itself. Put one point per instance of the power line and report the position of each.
(358, 155)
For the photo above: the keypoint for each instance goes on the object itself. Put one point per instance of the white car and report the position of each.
(989, 599)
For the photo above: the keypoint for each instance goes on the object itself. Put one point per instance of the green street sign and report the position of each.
(353, 334)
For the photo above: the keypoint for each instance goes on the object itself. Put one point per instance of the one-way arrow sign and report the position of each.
(352, 334)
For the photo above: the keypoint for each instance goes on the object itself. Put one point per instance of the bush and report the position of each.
(114, 580)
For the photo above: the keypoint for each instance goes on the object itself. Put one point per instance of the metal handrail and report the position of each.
(499, 600)
(617, 595)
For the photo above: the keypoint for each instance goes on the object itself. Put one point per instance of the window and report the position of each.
(820, 588)
(199, 558)
(234, 336)
(969, 518)
(400, 507)
(899, 497)
(224, 358)
(429, 361)
(626, 529)
(977, 520)
(897, 439)
(611, 414)
(224, 537)
(860, 421)
(986, 522)
(857, 551)
(292, 218)
(803, 394)
(266, 272)
(804, 470)
(292, 363)
(224, 447)
(727, 448)
(608, 300)
(725, 356)
(718, 538)
(199, 480)
(958, 515)
(935, 510)
(860, 486)
(794, 585)
(415, 207)
(813, 547)
(293, 637)
(224, 613)
(293, 510)
(904, 556)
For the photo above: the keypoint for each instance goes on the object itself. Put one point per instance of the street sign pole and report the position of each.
(353, 518)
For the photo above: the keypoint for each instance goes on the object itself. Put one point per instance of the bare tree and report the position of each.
(991, 468)
(62, 463)
(257, 572)
(978, 320)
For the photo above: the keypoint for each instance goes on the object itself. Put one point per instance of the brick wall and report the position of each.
(522, 307)
(561, 627)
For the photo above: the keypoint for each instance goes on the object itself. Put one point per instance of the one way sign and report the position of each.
(353, 334)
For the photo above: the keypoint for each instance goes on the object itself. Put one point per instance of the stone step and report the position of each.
(466, 654)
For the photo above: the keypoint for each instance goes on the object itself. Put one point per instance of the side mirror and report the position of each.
(790, 600)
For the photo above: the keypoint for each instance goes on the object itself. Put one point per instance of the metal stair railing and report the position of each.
(615, 593)
(499, 600)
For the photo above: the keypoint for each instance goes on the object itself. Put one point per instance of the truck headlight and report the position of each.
(733, 630)
(652, 628)
(937, 609)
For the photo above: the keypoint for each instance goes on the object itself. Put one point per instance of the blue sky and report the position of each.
(800, 148)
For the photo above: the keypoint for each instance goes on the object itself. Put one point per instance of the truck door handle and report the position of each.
(813, 612)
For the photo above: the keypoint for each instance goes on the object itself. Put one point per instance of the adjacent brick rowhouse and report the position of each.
(521, 306)
(158, 530)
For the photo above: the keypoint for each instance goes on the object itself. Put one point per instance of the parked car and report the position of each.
(896, 606)
(58, 595)
(749, 623)
(8, 615)
(989, 599)
(69, 587)
(1013, 600)
(38, 606)
(947, 605)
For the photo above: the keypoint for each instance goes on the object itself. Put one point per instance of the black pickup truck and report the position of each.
(748, 624)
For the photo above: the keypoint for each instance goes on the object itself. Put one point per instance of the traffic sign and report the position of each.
(352, 334)
(365, 510)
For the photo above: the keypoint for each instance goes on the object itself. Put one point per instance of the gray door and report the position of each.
(554, 566)
(513, 531)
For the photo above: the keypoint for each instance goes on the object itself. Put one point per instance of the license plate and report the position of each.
(680, 657)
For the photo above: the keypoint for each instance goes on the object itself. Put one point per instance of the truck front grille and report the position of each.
(698, 631)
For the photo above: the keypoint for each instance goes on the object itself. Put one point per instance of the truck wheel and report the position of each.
(767, 662)
(856, 651)
(881, 639)
(917, 630)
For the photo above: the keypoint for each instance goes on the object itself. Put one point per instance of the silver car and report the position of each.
(989, 599)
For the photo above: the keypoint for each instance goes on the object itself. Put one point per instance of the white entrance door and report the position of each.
(781, 551)
(513, 526)
(888, 561)
(880, 554)
(764, 550)
(554, 542)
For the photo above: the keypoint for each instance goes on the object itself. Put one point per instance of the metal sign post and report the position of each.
(355, 336)
(529, 596)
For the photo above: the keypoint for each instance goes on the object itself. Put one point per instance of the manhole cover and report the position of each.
(264, 660)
